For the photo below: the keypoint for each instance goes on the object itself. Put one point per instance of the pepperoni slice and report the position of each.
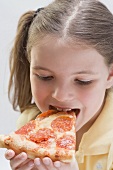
(67, 142)
(24, 130)
(62, 124)
(42, 136)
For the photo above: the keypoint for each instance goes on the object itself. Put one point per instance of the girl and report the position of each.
(63, 57)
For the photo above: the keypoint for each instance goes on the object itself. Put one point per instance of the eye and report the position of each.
(45, 78)
(83, 82)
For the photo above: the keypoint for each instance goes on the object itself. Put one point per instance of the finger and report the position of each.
(9, 154)
(39, 164)
(28, 166)
(61, 165)
(18, 160)
(25, 162)
(57, 164)
(48, 163)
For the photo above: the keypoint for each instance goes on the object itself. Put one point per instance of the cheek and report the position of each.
(39, 89)
(92, 98)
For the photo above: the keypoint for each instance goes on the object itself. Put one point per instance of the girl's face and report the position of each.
(68, 78)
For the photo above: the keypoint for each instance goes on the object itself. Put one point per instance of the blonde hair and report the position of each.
(74, 21)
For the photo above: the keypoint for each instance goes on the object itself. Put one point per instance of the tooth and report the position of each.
(59, 109)
(67, 109)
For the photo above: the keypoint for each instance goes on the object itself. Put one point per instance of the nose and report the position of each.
(63, 93)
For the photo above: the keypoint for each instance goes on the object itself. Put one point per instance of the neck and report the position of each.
(84, 129)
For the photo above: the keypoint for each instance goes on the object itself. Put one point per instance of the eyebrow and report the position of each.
(40, 68)
(79, 72)
(86, 72)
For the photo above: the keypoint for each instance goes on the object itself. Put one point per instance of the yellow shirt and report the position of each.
(96, 147)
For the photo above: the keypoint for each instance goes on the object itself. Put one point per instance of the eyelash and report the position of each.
(83, 83)
(47, 78)
(80, 82)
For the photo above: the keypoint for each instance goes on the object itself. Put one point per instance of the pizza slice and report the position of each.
(52, 134)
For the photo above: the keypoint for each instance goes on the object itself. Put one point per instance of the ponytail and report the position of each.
(20, 67)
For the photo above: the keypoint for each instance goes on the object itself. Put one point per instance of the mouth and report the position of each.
(59, 109)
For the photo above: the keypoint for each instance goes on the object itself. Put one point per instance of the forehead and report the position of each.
(52, 43)
(54, 54)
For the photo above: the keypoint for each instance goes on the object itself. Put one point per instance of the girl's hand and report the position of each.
(47, 164)
(19, 162)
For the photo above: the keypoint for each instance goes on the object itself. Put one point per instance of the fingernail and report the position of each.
(9, 154)
(57, 164)
(46, 161)
(23, 155)
(37, 161)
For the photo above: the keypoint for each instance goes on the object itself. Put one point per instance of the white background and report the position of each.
(10, 11)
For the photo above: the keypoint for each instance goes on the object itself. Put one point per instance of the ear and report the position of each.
(110, 77)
